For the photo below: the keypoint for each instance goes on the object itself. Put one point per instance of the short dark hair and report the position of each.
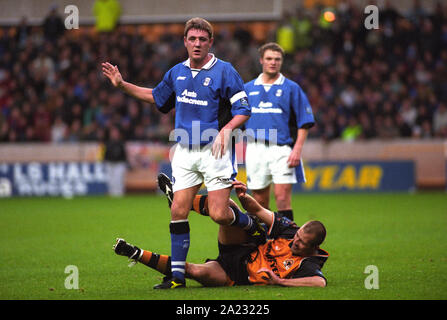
(271, 46)
(317, 229)
(200, 24)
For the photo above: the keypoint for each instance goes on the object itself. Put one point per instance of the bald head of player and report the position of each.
(308, 239)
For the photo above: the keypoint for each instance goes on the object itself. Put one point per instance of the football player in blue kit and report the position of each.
(278, 126)
(210, 102)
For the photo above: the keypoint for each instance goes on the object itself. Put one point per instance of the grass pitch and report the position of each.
(403, 235)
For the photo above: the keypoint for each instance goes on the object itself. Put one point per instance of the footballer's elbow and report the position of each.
(318, 281)
(321, 282)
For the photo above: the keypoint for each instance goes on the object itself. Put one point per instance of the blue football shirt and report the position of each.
(282, 106)
(205, 100)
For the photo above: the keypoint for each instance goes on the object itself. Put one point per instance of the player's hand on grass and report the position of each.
(112, 73)
(271, 277)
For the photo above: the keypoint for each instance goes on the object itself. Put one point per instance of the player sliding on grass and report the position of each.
(291, 257)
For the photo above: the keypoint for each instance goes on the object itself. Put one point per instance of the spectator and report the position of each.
(352, 131)
(302, 26)
(4, 131)
(107, 14)
(405, 129)
(23, 32)
(116, 160)
(426, 130)
(6, 84)
(74, 134)
(392, 72)
(58, 130)
(285, 35)
(423, 115)
(42, 124)
(53, 26)
(440, 121)
(349, 97)
(243, 37)
(386, 128)
(408, 112)
(30, 135)
(368, 131)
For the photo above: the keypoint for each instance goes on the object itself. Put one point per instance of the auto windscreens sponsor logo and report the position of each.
(189, 97)
(265, 107)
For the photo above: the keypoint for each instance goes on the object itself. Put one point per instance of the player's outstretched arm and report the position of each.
(251, 205)
(272, 278)
(113, 74)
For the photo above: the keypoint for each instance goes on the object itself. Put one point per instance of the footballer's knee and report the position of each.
(209, 274)
(191, 270)
(179, 211)
(195, 271)
(222, 215)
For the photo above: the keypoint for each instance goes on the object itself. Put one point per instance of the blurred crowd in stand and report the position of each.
(384, 83)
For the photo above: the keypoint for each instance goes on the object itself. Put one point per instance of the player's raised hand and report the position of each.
(112, 73)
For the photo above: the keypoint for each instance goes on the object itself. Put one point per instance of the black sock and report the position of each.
(287, 213)
(200, 204)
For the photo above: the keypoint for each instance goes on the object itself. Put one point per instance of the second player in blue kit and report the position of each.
(281, 117)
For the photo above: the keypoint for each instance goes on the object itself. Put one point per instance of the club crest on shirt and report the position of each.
(244, 101)
(207, 81)
(278, 92)
(288, 263)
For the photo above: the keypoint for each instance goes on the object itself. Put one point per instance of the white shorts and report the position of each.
(268, 164)
(191, 167)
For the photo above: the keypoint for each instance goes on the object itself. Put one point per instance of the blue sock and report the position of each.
(241, 219)
(179, 247)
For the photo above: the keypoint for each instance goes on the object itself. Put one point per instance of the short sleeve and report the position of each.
(282, 227)
(234, 91)
(302, 108)
(308, 268)
(164, 94)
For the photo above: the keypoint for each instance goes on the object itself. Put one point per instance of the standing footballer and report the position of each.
(281, 117)
(210, 101)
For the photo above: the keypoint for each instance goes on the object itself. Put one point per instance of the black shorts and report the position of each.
(233, 259)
